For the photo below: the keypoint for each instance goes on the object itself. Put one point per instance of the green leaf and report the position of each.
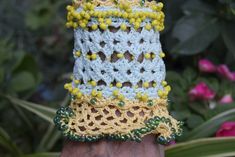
(228, 34)
(42, 155)
(194, 120)
(209, 127)
(46, 113)
(1, 75)
(211, 147)
(198, 7)
(7, 143)
(28, 63)
(195, 33)
(219, 109)
(49, 139)
(22, 81)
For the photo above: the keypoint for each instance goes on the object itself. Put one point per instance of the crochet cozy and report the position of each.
(118, 86)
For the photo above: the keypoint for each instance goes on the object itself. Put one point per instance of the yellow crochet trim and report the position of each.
(104, 18)
(90, 121)
(136, 3)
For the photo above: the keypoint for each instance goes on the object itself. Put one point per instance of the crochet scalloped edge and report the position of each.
(151, 125)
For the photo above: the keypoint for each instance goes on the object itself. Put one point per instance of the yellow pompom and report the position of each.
(162, 54)
(160, 93)
(78, 53)
(70, 89)
(121, 97)
(94, 93)
(154, 84)
(101, 20)
(125, 15)
(132, 20)
(87, 16)
(144, 97)
(115, 92)
(75, 91)
(99, 94)
(69, 7)
(153, 56)
(147, 55)
(138, 95)
(120, 55)
(76, 81)
(168, 88)
(66, 86)
(148, 26)
(103, 26)
(75, 25)
(123, 26)
(164, 83)
(79, 95)
(160, 5)
(93, 83)
(82, 24)
(94, 27)
(136, 25)
(119, 85)
(145, 84)
(108, 21)
(93, 56)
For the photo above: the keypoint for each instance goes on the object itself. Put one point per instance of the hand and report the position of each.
(104, 148)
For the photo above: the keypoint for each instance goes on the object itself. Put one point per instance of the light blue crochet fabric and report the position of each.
(122, 70)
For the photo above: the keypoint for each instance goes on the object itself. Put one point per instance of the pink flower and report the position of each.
(206, 66)
(224, 71)
(226, 99)
(201, 92)
(226, 129)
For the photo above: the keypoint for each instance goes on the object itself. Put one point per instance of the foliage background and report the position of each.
(36, 60)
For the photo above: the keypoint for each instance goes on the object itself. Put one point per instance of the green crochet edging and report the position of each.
(64, 113)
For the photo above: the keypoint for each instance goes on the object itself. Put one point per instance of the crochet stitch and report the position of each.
(118, 88)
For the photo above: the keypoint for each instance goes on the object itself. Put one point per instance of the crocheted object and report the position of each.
(118, 88)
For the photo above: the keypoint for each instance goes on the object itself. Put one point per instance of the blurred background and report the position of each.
(36, 60)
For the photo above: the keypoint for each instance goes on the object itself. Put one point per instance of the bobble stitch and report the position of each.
(160, 93)
(144, 97)
(119, 85)
(99, 94)
(78, 53)
(115, 92)
(120, 55)
(93, 83)
(94, 27)
(168, 88)
(138, 95)
(93, 56)
(123, 27)
(103, 26)
(145, 84)
(76, 81)
(164, 83)
(108, 21)
(148, 26)
(147, 55)
(162, 54)
(94, 93)
(79, 95)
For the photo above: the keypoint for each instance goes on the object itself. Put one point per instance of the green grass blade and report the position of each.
(7, 143)
(211, 147)
(44, 112)
(209, 127)
(49, 139)
(42, 155)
